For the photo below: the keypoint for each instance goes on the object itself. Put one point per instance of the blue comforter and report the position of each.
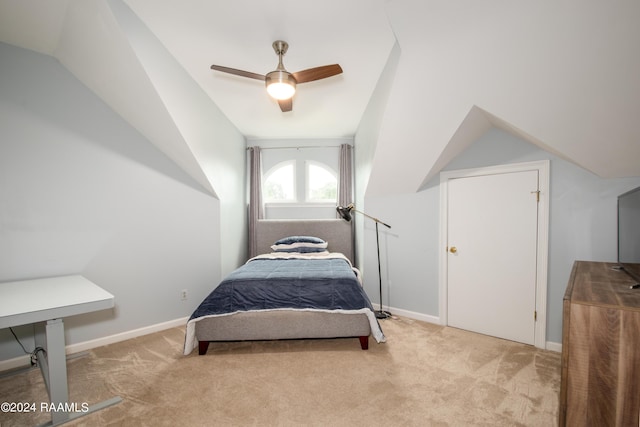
(268, 284)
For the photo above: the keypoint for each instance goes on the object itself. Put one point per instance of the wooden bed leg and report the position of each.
(202, 347)
(364, 342)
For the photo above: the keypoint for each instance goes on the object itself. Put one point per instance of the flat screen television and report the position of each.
(629, 233)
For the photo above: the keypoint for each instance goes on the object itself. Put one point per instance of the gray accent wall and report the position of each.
(582, 226)
(82, 192)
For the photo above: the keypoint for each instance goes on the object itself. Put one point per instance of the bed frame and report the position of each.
(283, 324)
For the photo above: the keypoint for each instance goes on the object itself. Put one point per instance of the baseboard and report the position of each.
(554, 346)
(123, 336)
(551, 346)
(415, 316)
(25, 361)
(20, 362)
(410, 314)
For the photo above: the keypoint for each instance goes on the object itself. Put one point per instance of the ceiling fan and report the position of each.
(280, 83)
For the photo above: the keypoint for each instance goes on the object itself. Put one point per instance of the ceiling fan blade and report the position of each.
(286, 104)
(317, 73)
(240, 73)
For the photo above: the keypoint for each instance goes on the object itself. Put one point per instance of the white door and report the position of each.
(491, 258)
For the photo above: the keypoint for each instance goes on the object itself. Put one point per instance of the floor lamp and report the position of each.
(345, 213)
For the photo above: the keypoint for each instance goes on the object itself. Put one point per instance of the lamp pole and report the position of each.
(380, 314)
(345, 213)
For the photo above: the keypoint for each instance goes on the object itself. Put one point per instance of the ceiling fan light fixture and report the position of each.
(280, 84)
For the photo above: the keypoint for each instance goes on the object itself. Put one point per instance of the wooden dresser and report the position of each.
(600, 348)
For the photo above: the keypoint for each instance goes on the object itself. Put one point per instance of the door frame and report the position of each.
(540, 325)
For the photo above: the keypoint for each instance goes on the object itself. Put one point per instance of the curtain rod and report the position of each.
(296, 148)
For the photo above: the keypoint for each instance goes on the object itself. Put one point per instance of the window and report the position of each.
(318, 185)
(300, 182)
(322, 184)
(279, 183)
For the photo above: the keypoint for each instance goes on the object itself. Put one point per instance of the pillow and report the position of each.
(300, 250)
(303, 244)
(294, 247)
(299, 239)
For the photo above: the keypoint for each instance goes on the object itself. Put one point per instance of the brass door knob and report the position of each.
(453, 249)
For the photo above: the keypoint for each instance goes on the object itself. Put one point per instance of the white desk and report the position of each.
(45, 302)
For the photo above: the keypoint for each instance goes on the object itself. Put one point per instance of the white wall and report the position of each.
(81, 192)
(366, 140)
(216, 144)
(582, 227)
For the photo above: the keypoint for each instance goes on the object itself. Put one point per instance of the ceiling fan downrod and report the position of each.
(280, 83)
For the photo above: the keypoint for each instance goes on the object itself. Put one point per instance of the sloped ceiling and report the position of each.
(562, 75)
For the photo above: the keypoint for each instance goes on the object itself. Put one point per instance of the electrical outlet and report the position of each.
(183, 295)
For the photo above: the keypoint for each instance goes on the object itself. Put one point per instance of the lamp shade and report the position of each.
(280, 84)
(345, 212)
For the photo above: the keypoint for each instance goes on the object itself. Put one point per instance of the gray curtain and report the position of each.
(256, 208)
(345, 187)
(345, 180)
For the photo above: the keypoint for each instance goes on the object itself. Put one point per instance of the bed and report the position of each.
(316, 294)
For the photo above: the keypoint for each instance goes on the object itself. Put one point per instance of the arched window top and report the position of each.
(297, 181)
(279, 183)
(322, 183)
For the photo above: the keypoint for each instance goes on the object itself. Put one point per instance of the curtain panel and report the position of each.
(345, 178)
(256, 207)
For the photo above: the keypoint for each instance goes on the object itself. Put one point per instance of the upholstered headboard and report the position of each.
(337, 232)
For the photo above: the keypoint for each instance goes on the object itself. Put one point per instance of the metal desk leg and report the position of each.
(54, 366)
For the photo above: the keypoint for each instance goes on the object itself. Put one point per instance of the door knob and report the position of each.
(453, 249)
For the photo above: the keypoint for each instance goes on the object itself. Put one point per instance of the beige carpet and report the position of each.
(425, 375)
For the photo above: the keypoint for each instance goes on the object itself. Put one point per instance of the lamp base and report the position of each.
(381, 314)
